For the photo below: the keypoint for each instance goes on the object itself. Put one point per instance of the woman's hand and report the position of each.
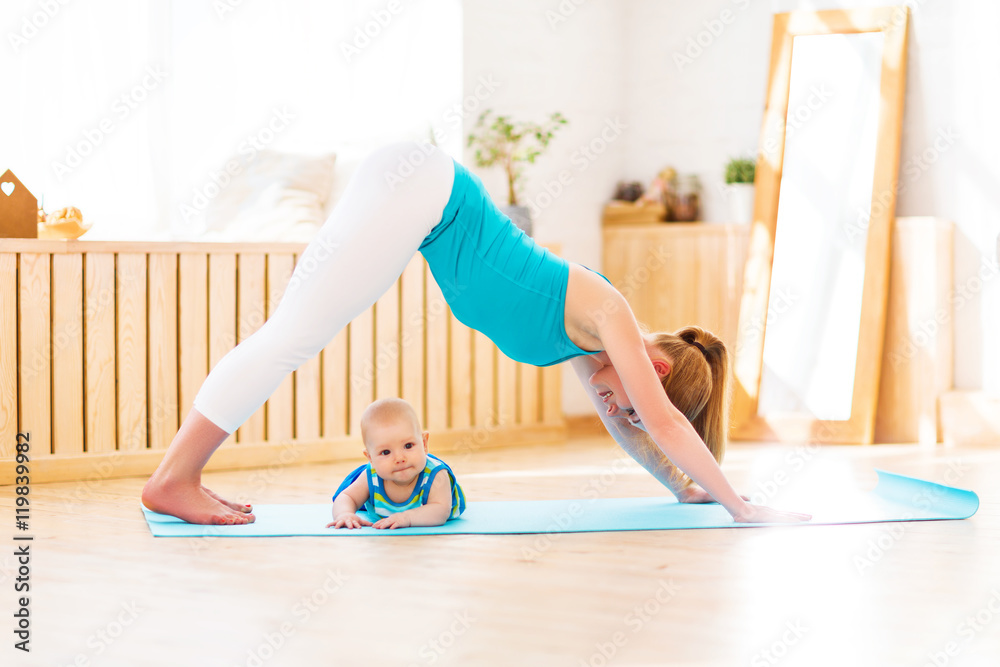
(761, 514)
(695, 494)
(350, 520)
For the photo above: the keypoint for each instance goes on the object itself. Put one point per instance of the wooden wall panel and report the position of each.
(552, 412)
(192, 316)
(163, 408)
(221, 310)
(387, 348)
(483, 381)
(280, 406)
(461, 383)
(35, 365)
(335, 385)
(412, 337)
(506, 391)
(308, 396)
(135, 329)
(221, 306)
(436, 326)
(361, 380)
(8, 353)
(67, 354)
(101, 433)
(251, 314)
(529, 397)
(131, 341)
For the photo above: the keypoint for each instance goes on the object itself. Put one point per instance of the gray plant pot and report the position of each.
(520, 216)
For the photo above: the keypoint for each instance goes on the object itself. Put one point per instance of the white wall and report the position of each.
(693, 106)
(547, 61)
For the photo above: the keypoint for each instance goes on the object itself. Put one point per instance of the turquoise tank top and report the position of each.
(379, 503)
(497, 280)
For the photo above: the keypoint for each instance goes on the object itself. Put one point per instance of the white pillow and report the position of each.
(274, 197)
(349, 158)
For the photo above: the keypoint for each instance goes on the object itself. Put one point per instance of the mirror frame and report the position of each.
(747, 423)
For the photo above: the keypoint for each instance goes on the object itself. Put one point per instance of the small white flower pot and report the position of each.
(741, 202)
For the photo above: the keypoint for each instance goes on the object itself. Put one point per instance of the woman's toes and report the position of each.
(231, 519)
(236, 507)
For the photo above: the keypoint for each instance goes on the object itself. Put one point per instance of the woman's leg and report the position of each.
(393, 200)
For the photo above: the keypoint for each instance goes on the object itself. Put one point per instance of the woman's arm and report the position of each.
(634, 441)
(637, 442)
(669, 429)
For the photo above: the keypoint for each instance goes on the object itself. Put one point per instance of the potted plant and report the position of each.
(499, 140)
(739, 179)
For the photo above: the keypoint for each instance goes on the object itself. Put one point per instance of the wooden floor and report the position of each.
(104, 592)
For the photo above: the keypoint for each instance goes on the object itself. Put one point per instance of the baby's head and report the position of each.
(393, 440)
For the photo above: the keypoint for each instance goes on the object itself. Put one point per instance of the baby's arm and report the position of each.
(345, 506)
(436, 512)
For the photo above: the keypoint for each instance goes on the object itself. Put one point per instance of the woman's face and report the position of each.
(609, 388)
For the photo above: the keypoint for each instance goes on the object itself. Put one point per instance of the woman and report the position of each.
(535, 306)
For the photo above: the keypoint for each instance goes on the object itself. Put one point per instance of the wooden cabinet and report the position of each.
(676, 275)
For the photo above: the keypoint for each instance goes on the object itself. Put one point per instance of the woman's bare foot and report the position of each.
(191, 502)
(241, 508)
(175, 488)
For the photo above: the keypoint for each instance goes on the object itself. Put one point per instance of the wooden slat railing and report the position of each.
(104, 346)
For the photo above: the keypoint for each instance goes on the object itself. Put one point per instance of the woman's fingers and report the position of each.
(761, 514)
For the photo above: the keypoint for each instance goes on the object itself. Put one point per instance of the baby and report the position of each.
(400, 482)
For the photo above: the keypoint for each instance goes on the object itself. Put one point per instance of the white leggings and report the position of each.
(397, 195)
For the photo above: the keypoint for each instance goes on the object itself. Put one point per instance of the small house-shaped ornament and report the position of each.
(18, 209)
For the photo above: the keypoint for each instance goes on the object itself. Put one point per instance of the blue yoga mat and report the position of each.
(895, 498)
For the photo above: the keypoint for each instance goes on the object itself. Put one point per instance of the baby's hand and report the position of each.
(394, 521)
(349, 521)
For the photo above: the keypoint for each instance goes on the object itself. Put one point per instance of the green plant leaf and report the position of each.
(740, 170)
(500, 141)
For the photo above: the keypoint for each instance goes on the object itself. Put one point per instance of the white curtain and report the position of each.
(126, 108)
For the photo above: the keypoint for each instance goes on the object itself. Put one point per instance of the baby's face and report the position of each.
(397, 450)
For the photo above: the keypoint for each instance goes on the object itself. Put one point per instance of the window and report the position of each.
(127, 109)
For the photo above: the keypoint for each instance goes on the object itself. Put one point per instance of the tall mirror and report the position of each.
(812, 317)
